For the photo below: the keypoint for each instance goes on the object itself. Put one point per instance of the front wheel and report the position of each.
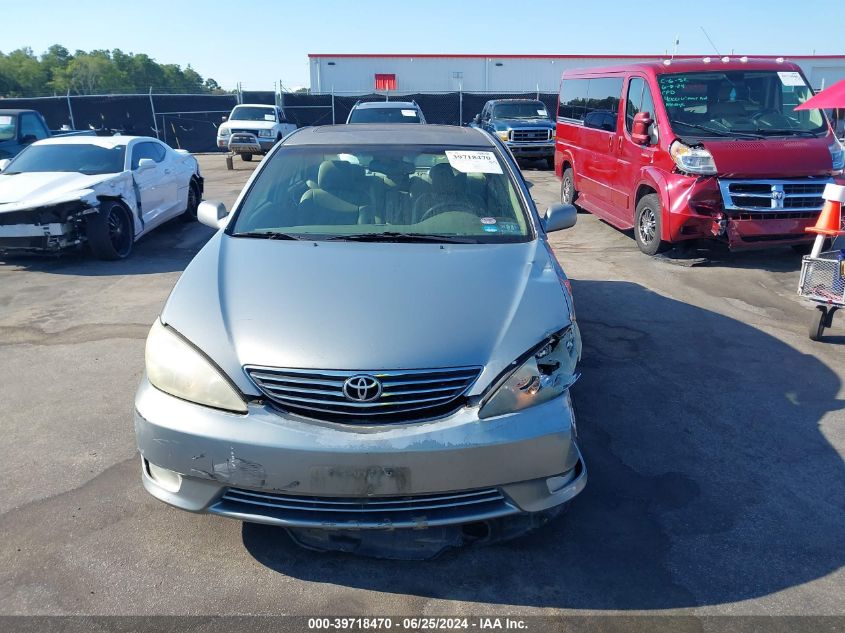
(647, 225)
(246, 157)
(190, 213)
(110, 231)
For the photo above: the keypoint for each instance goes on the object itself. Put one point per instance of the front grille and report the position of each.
(368, 512)
(405, 394)
(529, 135)
(253, 132)
(773, 195)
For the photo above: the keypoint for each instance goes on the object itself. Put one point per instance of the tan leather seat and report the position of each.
(341, 196)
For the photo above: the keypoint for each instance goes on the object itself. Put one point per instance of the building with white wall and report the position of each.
(362, 73)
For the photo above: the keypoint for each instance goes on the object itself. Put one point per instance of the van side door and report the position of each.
(630, 157)
(601, 122)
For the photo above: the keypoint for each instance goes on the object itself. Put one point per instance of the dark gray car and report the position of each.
(378, 338)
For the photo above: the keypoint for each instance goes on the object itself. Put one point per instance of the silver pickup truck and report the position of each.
(253, 129)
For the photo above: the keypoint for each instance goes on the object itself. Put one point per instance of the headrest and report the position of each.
(443, 178)
(335, 175)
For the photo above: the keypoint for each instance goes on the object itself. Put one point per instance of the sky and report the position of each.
(260, 42)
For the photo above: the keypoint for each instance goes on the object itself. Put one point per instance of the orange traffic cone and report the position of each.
(830, 218)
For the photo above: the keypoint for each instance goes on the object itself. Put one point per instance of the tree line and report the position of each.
(58, 71)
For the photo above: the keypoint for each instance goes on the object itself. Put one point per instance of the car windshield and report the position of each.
(739, 103)
(384, 193)
(249, 113)
(384, 115)
(523, 110)
(7, 127)
(72, 157)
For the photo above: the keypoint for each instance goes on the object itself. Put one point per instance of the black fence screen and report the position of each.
(191, 121)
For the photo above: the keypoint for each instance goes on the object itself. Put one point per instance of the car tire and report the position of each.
(568, 193)
(110, 231)
(190, 213)
(246, 157)
(550, 163)
(647, 225)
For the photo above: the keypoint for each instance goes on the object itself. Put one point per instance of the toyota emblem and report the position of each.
(362, 388)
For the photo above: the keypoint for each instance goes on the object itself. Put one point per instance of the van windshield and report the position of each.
(738, 103)
(384, 193)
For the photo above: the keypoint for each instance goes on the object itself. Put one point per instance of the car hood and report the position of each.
(249, 125)
(771, 157)
(41, 188)
(539, 122)
(367, 307)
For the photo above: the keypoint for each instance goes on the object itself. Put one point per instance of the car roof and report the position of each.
(255, 105)
(389, 134)
(375, 105)
(495, 101)
(8, 111)
(103, 141)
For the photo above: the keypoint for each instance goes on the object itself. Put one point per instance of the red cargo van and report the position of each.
(691, 149)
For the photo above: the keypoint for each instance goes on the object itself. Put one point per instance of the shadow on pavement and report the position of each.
(710, 480)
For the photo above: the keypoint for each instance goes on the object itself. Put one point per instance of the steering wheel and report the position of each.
(452, 206)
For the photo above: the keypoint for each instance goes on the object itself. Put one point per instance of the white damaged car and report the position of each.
(105, 192)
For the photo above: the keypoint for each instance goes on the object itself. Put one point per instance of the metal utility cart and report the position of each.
(823, 282)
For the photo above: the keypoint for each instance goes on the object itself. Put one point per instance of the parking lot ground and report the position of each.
(713, 431)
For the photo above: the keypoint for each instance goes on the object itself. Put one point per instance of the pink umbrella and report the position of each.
(833, 97)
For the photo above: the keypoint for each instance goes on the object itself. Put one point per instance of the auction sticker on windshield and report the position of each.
(791, 79)
(474, 162)
(5, 120)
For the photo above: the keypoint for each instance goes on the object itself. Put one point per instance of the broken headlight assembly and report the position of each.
(176, 367)
(692, 160)
(540, 375)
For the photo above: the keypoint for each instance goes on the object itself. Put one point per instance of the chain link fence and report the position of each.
(190, 121)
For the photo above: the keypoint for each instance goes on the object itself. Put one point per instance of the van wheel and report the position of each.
(568, 195)
(647, 225)
(110, 231)
(246, 157)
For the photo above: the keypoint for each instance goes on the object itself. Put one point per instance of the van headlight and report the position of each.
(543, 373)
(223, 131)
(176, 367)
(837, 156)
(265, 133)
(693, 160)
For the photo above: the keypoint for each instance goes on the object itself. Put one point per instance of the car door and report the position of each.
(149, 181)
(174, 180)
(630, 157)
(600, 123)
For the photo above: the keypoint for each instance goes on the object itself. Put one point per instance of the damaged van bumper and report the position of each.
(267, 467)
(744, 213)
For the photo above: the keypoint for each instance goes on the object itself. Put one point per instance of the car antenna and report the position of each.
(718, 54)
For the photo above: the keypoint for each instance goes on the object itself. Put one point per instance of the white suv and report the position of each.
(253, 129)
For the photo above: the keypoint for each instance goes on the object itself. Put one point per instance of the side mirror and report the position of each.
(4, 163)
(559, 217)
(477, 118)
(224, 118)
(145, 163)
(640, 126)
(213, 214)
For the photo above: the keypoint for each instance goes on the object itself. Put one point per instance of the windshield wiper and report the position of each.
(395, 236)
(720, 132)
(788, 132)
(268, 235)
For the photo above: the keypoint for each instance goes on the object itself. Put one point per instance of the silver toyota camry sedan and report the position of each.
(378, 339)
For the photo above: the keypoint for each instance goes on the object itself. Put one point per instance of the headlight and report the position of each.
(178, 368)
(223, 131)
(693, 160)
(265, 133)
(837, 156)
(503, 134)
(546, 372)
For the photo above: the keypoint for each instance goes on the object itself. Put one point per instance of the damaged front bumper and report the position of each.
(46, 229)
(744, 214)
(267, 467)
